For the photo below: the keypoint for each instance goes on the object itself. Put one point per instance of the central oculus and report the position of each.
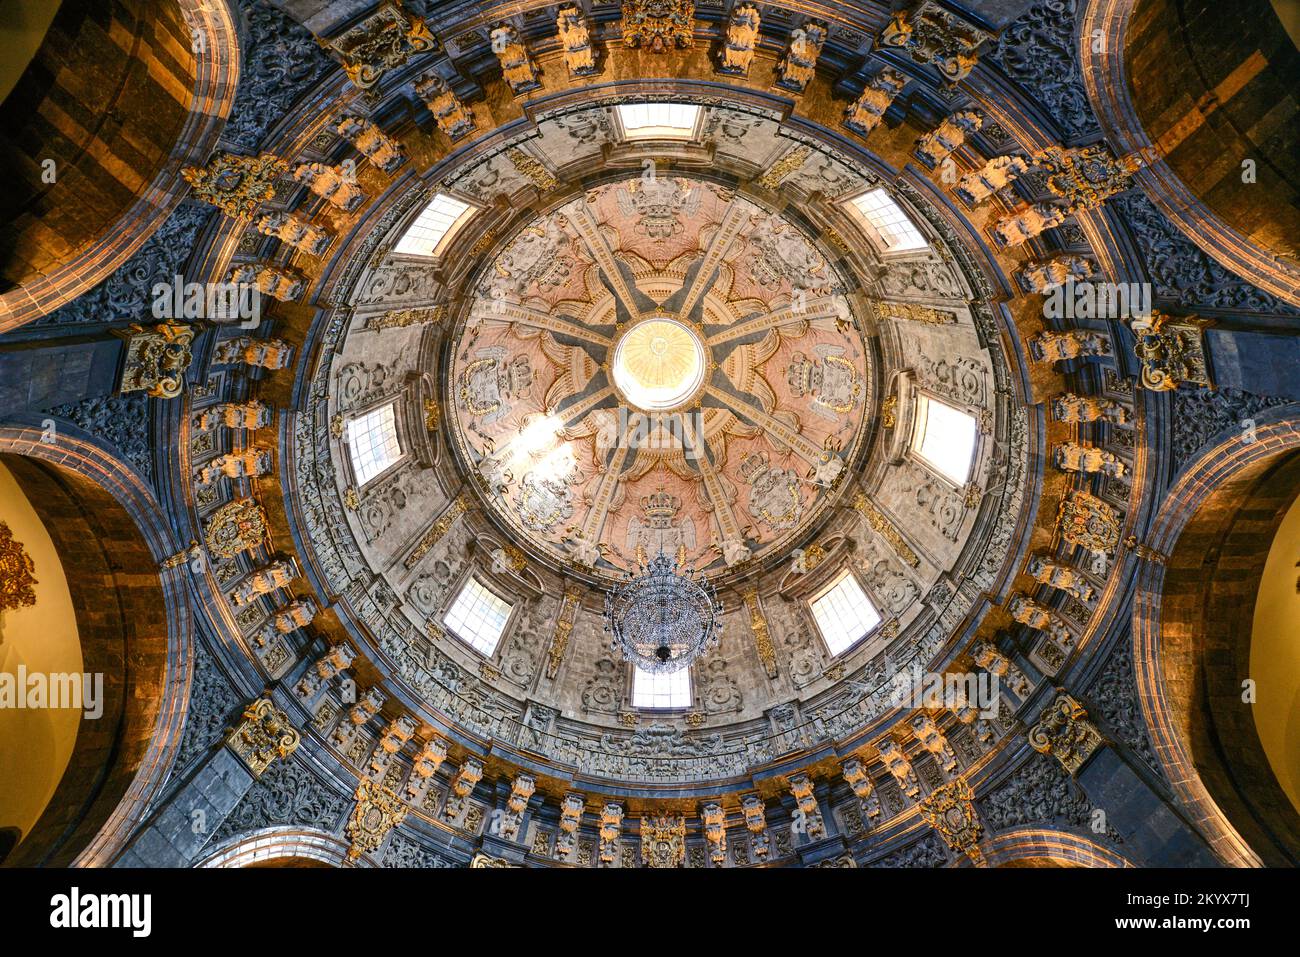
(659, 364)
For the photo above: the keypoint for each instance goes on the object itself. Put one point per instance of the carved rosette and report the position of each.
(262, 735)
(1064, 731)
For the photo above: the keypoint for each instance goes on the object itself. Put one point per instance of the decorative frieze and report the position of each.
(262, 735)
(914, 312)
(799, 65)
(405, 318)
(1064, 731)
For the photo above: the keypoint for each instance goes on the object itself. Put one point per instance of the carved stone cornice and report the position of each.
(263, 734)
(1064, 731)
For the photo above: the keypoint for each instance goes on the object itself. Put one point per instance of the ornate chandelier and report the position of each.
(664, 617)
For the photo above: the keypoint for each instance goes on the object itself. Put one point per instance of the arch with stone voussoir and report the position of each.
(1192, 620)
(135, 627)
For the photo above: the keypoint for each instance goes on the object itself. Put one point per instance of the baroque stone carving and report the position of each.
(1077, 457)
(876, 519)
(759, 628)
(575, 39)
(855, 773)
(1064, 731)
(156, 359)
(756, 823)
(1087, 521)
(1069, 407)
(940, 143)
(292, 230)
(663, 841)
(950, 810)
(263, 734)
(808, 816)
(383, 41)
(865, 113)
(1043, 275)
(1047, 570)
(258, 353)
(236, 185)
(1172, 353)
(737, 50)
(799, 65)
(715, 832)
(517, 66)
(334, 184)
(372, 142)
(658, 25)
(611, 828)
(1052, 346)
(377, 812)
(931, 34)
(453, 117)
(238, 526)
(570, 816)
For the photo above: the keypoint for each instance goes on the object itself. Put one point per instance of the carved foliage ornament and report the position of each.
(384, 40)
(156, 359)
(235, 527)
(378, 811)
(1086, 520)
(658, 25)
(262, 735)
(950, 810)
(1172, 353)
(933, 35)
(16, 568)
(1064, 731)
(663, 841)
(236, 185)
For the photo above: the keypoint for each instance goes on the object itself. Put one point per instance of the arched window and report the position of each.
(434, 227)
(894, 228)
(658, 121)
(373, 444)
(478, 617)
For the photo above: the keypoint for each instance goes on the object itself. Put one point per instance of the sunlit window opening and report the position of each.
(844, 613)
(434, 227)
(477, 617)
(661, 691)
(644, 121)
(895, 229)
(372, 441)
(945, 438)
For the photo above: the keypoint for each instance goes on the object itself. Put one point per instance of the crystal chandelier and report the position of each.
(664, 617)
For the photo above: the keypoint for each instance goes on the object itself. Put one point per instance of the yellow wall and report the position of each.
(35, 745)
(23, 25)
(1275, 656)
